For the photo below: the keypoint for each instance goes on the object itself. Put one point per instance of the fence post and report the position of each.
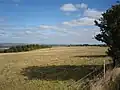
(104, 69)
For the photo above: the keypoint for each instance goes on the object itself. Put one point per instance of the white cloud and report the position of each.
(65, 32)
(28, 32)
(81, 6)
(86, 18)
(85, 21)
(73, 7)
(92, 13)
(48, 27)
(58, 28)
(3, 33)
(68, 7)
(87, 12)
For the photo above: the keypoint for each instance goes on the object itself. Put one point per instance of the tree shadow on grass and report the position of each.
(91, 56)
(64, 72)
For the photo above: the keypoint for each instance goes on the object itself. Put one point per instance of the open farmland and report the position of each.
(56, 68)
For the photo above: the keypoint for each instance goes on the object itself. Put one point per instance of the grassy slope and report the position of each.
(48, 69)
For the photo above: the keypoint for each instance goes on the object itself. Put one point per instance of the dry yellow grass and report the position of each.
(48, 69)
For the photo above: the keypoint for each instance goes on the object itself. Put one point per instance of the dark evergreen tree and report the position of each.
(109, 25)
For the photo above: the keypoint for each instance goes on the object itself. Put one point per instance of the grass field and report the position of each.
(56, 68)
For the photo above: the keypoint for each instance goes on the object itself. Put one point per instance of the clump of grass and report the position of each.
(113, 84)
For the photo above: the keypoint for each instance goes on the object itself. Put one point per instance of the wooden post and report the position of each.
(104, 69)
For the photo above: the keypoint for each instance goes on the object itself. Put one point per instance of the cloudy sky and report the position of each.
(50, 21)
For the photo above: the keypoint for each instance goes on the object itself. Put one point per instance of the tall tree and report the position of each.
(109, 25)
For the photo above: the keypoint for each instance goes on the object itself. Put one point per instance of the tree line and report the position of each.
(100, 45)
(23, 48)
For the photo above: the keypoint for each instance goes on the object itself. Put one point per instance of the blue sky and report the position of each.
(50, 21)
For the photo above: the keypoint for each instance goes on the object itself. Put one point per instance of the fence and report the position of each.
(94, 76)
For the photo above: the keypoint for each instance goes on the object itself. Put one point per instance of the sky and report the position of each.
(51, 21)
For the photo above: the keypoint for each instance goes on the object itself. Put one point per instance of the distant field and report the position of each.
(54, 68)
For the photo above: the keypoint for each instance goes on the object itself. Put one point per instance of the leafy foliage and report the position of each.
(22, 48)
(109, 25)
